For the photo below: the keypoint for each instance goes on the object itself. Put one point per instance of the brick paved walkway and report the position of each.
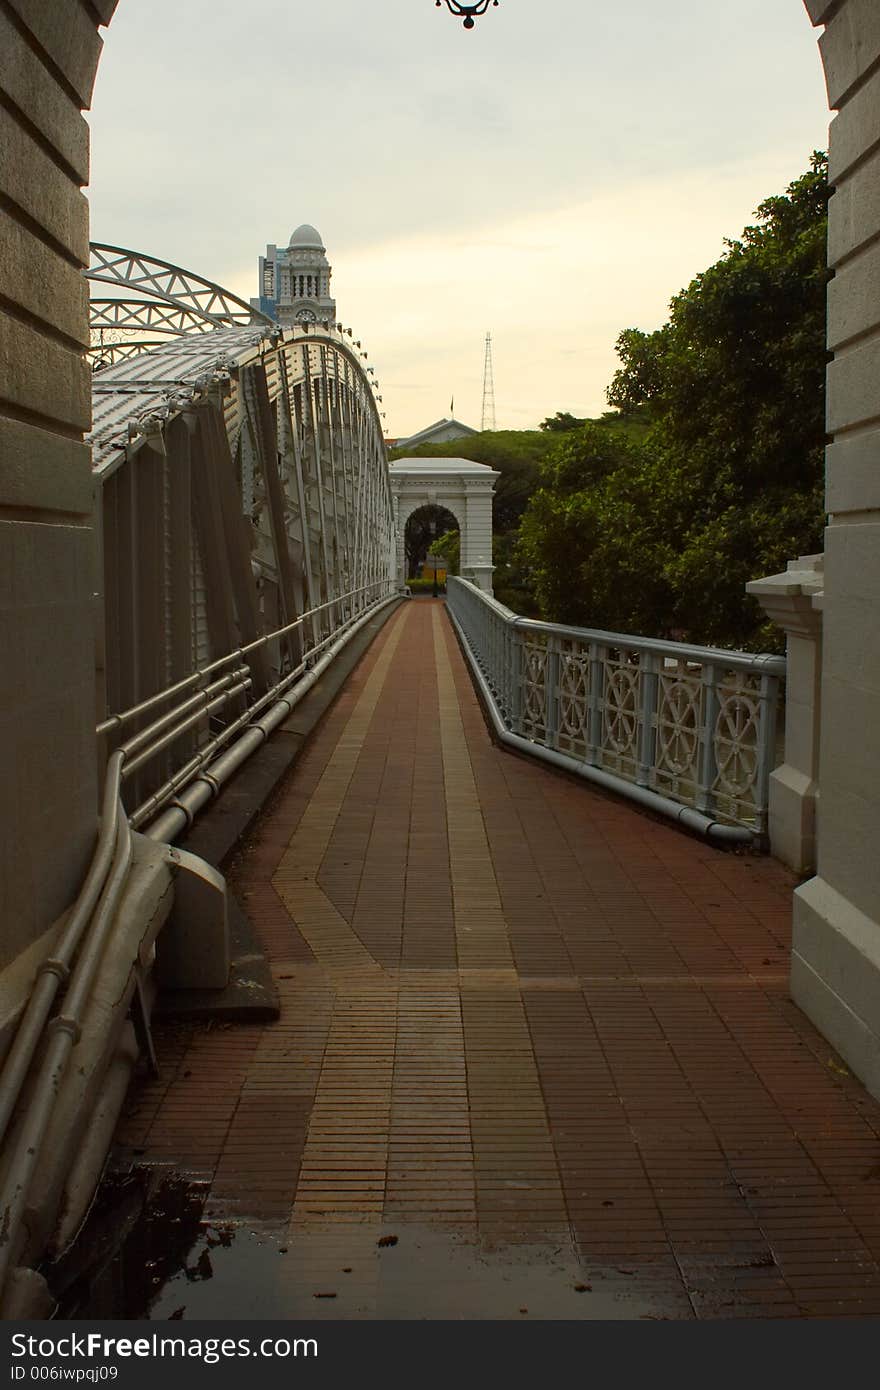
(541, 1039)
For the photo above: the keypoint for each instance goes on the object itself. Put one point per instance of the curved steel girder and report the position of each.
(171, 284)
(233, 351)
(151, 315)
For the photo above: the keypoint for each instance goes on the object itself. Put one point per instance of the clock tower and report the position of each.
(295, 281)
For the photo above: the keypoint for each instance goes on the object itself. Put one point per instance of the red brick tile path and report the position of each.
(525, 1027)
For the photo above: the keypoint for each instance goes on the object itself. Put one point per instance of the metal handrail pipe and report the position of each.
(764, 662)
(185, 774)
(56, 969)
(115, 721)
(63, 1036)
(652, 801)
(185, 725)
(135, 744)
(180, 814)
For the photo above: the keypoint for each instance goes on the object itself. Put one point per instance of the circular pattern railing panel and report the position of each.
(621, 699)
(737, 746)
(679, 725)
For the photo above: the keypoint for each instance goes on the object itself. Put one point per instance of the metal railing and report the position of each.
(210, 700)
(43, 1044)
(690, 731)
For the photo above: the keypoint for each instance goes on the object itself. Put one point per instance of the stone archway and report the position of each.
(416, 541)
(48, 700)
(463, 488)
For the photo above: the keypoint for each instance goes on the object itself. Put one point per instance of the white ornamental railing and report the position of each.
(688, 731)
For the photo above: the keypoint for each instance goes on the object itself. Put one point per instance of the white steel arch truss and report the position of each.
(247, 521)
(161, 298)
(148, 316)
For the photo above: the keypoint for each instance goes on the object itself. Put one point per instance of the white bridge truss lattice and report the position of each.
(160, 298)
(247, 526)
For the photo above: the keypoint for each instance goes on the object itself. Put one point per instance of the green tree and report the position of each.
(726, 481)
(561, 422)
(590, 544)
(449, 547)
(422, 531)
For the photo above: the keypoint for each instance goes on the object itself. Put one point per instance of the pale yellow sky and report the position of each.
(554, 288)
(552, 183)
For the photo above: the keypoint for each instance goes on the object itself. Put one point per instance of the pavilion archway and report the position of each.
(460, 487)
(422, 529)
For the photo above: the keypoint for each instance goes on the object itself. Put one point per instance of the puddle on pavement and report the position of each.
(139, 1232)
(149, 1253)
(430, 1273)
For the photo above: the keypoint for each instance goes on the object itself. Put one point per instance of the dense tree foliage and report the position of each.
(590, 541)
(561, 423)
(422, 531)
(449, 547)
(660, 534)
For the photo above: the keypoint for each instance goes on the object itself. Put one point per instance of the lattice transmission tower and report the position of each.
(488, 388)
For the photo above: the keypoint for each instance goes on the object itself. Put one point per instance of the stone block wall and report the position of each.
(836, 962)
(49, 51)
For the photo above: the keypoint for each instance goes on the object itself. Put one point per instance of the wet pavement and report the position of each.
(536, 1056)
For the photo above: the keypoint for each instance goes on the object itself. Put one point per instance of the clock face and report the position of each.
(306, 316)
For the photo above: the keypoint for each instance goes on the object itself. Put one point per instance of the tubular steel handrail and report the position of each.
(178, 781)
(74, 962)
(687, 730)
(71, 967)
(115, 721)
(145, 745)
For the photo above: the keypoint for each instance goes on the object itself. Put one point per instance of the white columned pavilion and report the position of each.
(463, 488)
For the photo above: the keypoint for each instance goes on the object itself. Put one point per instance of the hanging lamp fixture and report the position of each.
(467, 12)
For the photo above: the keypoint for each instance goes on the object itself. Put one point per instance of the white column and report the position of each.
(793, 601)
(397, 556)
(476, 547)
(405, 510)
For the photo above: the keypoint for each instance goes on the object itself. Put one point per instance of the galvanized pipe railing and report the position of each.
(687, 731)
(78, 951)
(88, 941)
(116, 721)
(253, 729)
(182, 718)
(277, 692)
(55, 971)
(210, 699)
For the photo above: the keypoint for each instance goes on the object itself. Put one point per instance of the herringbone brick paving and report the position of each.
(540, 1038)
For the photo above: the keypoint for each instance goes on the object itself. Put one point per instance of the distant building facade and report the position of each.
(438, 433)
(295, 281)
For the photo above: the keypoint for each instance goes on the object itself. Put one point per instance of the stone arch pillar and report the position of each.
(463, 488)
(836, 930)
(48, 756)
(476, 546)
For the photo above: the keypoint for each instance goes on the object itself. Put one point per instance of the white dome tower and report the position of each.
(295, 281)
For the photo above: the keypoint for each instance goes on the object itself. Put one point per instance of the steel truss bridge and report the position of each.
(245, 532)
(244, 508)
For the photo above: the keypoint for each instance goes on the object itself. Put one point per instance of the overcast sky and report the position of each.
(553, 176)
